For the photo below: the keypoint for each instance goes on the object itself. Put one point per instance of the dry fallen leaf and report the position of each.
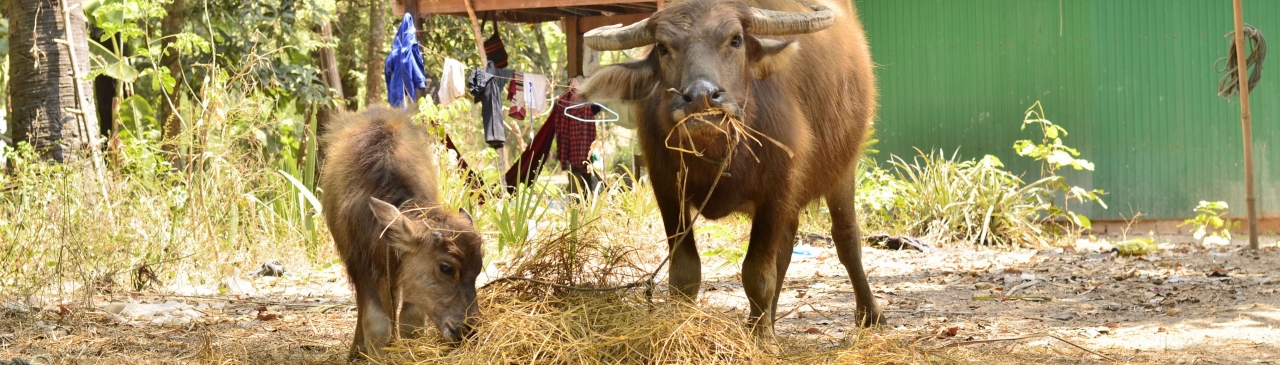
(948, 331)
(813, 331)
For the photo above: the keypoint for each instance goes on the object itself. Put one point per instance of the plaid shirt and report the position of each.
(573, 137)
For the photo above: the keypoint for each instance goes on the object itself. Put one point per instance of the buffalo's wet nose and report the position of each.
(704, 92)
(465, 332)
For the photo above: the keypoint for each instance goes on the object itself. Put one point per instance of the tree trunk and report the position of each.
(373, 58)
(544, 59)
(332, 79)
(169, 117)
(348, 32)
(41, 74)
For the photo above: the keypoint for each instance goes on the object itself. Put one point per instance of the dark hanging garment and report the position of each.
(487, 87)
(531, 160)
(494, 50)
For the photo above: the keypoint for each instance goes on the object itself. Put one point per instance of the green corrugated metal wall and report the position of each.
(1133, 81)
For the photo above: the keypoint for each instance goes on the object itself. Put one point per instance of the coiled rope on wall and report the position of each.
(1230, 83)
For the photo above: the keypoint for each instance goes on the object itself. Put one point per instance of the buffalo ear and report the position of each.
(394, 227)
(623, 81)
(769, 56)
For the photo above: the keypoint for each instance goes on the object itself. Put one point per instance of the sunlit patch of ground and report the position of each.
(1184, 304)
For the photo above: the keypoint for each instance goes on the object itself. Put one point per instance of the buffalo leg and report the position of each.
(373, 329)
(374, 324)
(686, 266)
(357, 345)
(760, 267)
(785, 246)
(848, 240)
(411, 320)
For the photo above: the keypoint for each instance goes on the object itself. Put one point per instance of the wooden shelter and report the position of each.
(577, 16)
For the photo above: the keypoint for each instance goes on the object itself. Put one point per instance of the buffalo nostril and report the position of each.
(687, 98)
(717, 95)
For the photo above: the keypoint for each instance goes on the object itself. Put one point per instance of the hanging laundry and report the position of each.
(535, 93)
(494, 50)
(452, 84)
(531, 160)
(403, 68)
(486, 86)
(573, 137)
(514, 95)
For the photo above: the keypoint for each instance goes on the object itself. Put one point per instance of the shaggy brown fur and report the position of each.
(423, 253)
(818, 102)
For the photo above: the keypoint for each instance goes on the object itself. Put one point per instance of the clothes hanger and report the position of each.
(614, 118)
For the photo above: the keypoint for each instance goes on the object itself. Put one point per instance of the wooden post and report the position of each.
(1246, 122)
(573, 43)
(475, 27)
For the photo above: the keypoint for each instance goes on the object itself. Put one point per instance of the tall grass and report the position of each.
(234, 209)
(977, 202)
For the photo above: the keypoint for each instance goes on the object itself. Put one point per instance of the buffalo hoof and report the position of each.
(766, 341)
(867, 319)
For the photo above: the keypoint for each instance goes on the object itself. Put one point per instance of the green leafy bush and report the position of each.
(1209, 221)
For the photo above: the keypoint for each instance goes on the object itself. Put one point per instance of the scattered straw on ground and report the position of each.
(629, 328)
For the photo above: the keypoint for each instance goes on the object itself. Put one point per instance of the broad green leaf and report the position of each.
(1216, 222)
(1083, 221)
(121, 71)
(1060, 158)
(1051, 133)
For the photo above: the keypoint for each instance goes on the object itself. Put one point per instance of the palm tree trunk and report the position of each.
(169, 117)
(49, 110)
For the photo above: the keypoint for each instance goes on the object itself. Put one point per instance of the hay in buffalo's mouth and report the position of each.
(723, 123)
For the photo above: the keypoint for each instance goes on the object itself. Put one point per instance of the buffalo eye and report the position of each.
(662, 49)
(736, 41)
(446, 269)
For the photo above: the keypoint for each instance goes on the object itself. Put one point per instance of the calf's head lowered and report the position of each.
(438, 273)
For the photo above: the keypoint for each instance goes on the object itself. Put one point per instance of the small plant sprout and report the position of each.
(1209, 221)
(1053, 156)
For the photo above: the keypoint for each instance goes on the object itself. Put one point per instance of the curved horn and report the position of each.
(618, 37)
(770, 22)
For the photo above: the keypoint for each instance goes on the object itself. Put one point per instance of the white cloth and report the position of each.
(453, 85)
(535, 93)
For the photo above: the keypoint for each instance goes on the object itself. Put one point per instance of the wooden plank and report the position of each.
(457, 6)
(397, 7)
(586, 24)
(573, 45)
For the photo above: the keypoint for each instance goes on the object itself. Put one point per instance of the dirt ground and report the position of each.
(1186, 304)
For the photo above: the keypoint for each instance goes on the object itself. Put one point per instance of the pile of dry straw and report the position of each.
(528, 322)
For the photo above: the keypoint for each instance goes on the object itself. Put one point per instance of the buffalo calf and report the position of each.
(378, 189)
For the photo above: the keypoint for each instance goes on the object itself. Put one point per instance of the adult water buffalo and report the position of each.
(796, 71)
